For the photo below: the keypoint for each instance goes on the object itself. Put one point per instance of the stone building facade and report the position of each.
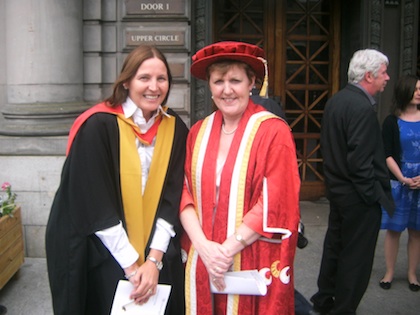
(58, 58)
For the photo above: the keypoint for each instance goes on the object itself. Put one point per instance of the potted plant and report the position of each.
(11, 235)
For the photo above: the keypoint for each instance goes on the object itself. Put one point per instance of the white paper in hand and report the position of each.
(247, 282)
(156, 305)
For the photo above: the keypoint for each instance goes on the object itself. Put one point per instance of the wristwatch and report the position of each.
(159, 264)
(240, 239)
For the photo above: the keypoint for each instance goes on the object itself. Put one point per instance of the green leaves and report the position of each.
(7, 203)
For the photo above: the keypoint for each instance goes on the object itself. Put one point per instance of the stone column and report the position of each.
(44, 66)
(2, 54)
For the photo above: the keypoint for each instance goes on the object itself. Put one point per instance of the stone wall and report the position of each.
(58, 58)
(34, 179)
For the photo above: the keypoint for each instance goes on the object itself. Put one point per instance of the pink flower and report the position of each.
(5, 186)
(7, 203)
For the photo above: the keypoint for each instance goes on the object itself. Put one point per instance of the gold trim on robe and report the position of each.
(140, 211)
(236, 201)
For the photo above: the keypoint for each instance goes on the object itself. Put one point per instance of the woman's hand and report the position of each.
(415, 182)
(217, 261)
(145, 278)
(215, 257)
(412, 183)
(145, 282)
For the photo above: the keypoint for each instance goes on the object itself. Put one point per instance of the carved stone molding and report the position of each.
(408, 37)
(39, 119)
(200, 103)
(376, 24)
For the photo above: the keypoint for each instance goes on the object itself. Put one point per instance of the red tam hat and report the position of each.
(238, 51)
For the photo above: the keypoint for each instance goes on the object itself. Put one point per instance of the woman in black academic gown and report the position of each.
(115, 214)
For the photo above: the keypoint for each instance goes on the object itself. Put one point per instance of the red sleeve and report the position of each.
(186, 198)
(276, 170)
(282, 182)
(254, 219)
(187, 195)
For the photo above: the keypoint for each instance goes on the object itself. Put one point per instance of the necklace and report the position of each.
(226, 132)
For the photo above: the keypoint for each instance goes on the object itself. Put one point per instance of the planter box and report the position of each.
(11, 246)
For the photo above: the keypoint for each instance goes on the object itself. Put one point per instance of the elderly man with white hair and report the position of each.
(357, 182)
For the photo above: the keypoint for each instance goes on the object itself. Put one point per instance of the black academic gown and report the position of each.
(83, 274)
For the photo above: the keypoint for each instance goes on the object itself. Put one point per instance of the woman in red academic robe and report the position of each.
(240, 204)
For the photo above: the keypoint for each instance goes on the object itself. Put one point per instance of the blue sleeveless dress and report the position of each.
(407, 201)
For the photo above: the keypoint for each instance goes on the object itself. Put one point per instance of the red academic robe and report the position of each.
(260, 185)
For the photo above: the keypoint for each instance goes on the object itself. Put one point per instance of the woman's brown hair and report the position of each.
(403, 93)
(129, 69)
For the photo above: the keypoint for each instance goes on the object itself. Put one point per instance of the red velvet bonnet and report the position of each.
(238, 51)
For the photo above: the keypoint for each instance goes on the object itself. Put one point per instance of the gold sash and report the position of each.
(140, 211)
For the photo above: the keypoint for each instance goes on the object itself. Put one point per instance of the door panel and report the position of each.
(301, 40)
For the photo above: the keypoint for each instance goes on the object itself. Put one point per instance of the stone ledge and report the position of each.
(39, 119)
(38, 146)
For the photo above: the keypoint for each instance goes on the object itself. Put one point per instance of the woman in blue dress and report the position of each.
(401, 136)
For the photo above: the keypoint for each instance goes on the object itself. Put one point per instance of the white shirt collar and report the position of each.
(130, 109)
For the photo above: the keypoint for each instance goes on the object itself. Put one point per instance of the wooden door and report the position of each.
(301, 41)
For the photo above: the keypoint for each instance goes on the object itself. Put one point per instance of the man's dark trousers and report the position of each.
(349, 250)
